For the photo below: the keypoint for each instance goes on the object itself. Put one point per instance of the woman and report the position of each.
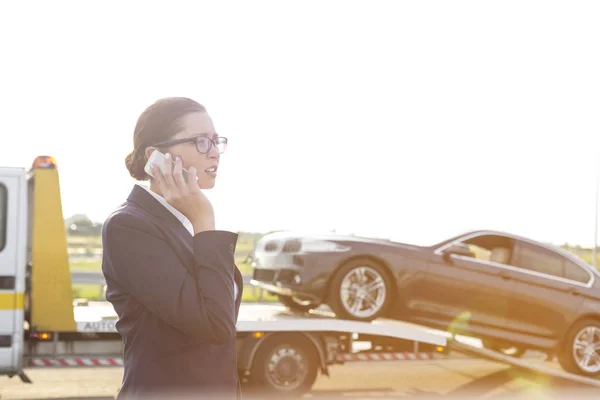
(170, 274)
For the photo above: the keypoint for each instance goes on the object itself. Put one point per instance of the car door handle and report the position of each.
(575, 292)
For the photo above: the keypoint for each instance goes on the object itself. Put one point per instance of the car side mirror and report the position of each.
(459, 249)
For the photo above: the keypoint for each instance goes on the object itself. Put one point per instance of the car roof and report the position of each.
(549, 246)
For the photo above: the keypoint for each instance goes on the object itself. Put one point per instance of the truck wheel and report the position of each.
(296, 304)
(285, 364)
(360, 290)
(580, 352)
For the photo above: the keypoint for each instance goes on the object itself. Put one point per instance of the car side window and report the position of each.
(480, 253)
(494, 248)
(575, 272)
(3, 215)
(537, 259)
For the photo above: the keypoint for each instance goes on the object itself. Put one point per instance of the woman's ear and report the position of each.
(149, 151)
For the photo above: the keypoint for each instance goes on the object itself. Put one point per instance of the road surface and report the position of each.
(423, 380)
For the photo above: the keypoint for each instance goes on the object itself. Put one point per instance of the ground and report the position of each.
(432, 379)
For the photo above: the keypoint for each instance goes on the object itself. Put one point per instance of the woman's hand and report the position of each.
(185, 197)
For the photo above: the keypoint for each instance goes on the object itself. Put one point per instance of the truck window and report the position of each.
(3, 215)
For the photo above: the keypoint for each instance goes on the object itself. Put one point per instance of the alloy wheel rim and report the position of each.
(363, 291)
(585, 349)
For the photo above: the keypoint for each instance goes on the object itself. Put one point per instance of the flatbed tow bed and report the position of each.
(278, 350)
(282, 351)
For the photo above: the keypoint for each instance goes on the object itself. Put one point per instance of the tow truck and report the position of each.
(42, 326)
(279, 351)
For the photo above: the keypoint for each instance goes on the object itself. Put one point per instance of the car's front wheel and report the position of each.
(580, 353)
(360, 290)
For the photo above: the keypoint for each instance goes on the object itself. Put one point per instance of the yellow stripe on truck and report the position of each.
(12, 301)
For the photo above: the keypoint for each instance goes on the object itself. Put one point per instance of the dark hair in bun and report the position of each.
(160, 121)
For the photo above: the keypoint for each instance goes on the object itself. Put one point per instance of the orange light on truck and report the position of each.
(44, 162)
(42, 336)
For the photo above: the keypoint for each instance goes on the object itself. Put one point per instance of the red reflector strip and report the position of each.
(76, 362)
(384, 356)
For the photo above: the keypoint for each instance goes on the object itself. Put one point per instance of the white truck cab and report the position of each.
(13, 261)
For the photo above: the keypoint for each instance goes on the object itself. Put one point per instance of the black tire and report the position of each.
(296, 304)
(566, 353)
(335, 298)
(293, 374)
(509, 350)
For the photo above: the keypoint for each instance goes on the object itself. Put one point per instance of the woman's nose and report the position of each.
(213, 152)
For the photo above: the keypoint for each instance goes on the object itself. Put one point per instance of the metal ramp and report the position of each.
(100, 317)
(528, 370)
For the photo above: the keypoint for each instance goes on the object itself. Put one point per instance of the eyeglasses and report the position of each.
(203, 143)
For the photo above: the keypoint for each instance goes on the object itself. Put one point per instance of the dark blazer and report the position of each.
(174, 295)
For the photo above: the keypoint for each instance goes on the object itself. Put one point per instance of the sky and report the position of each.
(408, 120)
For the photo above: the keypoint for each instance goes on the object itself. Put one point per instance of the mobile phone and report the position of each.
(157, 158)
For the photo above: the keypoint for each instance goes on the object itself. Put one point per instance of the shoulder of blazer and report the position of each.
(133, 216)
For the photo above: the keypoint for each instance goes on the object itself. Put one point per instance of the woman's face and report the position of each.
(196, 125)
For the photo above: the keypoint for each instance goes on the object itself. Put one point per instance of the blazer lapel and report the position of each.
(145, 200)
(184, 241)
(181, 237)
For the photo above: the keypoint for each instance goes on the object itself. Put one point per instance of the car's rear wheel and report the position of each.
(580, 352)
(360, 290)
(298, 304)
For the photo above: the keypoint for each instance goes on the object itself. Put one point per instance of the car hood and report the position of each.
(338, 238)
